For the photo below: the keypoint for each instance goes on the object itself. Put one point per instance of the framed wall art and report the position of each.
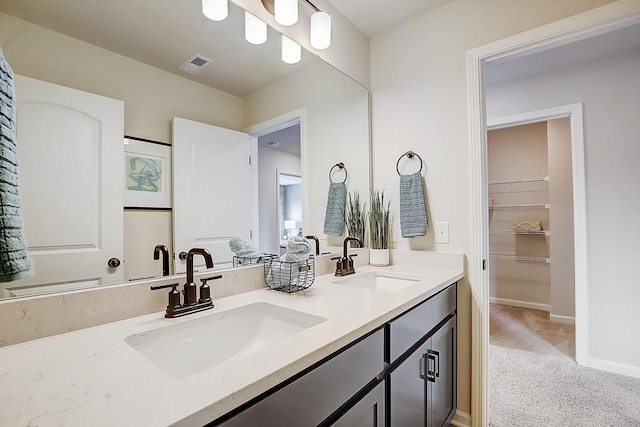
(147, 169)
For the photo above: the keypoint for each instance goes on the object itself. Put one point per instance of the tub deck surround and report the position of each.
(92, 376)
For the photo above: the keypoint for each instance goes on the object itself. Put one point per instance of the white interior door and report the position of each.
(212, 190)
(71, 185)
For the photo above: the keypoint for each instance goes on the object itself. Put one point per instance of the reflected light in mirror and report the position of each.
(291, 51)
(216, 10)
(255, 31)
(320, 30)
(286, 12)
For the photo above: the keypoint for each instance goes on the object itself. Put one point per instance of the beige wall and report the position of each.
(152, 97)
(561, 215)
(419, 101)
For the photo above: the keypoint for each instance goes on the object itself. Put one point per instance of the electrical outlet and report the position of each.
(442, 232)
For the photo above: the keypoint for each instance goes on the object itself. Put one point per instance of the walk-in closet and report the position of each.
(531, 218)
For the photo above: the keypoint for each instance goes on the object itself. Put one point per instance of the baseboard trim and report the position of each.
(566, 320)
(461, 419)
(616, 368)
(521, 304)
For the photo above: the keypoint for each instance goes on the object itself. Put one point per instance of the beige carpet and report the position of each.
(534, 380)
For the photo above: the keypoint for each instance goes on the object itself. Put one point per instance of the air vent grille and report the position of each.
(194, 64)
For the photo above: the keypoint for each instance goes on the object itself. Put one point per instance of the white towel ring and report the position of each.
(410, 155)
(341, 166)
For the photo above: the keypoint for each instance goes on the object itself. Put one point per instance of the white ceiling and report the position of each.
(375, 16)
(287, 139)
(611, 43)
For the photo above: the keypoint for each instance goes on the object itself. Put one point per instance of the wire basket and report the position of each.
(241, 261)
(289, 276)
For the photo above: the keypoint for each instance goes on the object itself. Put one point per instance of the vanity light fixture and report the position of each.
(286, 12)
(216, 10)
(255, 31)
(291, 51)
(320, 30)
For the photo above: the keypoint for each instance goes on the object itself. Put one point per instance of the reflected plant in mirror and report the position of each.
(86, 48)
(356, 218)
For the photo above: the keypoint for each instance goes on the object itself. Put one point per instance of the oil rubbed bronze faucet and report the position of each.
(165, 258)
(191, 303)
(344, 266)
(317, 243)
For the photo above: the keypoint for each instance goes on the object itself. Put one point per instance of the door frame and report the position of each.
(594, 22)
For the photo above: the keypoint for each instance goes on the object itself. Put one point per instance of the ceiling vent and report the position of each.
(194, 64)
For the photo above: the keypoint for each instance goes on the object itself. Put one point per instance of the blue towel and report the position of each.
(15, 263)
(334, 217)
(413, 211)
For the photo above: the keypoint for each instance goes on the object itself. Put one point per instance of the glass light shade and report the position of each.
(255, 31)
(286, 12)
(291, 51)
(216, 10)
(320, 30)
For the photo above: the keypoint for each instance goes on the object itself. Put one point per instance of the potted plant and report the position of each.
(379, 229)
(355, 217)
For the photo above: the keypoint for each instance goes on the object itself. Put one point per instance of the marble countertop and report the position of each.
(93, 377)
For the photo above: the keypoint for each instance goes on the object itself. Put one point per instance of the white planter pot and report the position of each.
(379, 257)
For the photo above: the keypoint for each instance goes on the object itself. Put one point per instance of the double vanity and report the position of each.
(375, 348)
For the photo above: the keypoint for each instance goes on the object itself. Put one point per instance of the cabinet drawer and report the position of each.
(411, 326)
(313, 397)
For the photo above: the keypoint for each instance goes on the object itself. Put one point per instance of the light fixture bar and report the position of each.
(313, 6)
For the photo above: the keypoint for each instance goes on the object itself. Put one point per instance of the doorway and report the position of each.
(563, 32)
(280, 186)
(289, 208)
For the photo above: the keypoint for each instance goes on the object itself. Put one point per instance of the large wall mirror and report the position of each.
(130, 51)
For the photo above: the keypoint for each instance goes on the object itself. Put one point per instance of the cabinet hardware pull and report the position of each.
(431, 375)
(422, 366)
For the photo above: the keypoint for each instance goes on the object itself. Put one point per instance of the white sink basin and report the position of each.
(195, 345)
(379, 281)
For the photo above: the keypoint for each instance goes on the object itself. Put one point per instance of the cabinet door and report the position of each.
(368, 412)
(441, 390)
(408, 390)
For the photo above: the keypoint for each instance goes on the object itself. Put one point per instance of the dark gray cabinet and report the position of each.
(423, 386)
(368, 412)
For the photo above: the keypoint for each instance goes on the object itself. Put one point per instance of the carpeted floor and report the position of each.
(534, 380)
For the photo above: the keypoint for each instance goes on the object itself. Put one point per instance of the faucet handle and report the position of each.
(205, 290)
(174, 295)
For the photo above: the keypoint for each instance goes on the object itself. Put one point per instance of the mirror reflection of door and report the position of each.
(279, 156)
(289, 208)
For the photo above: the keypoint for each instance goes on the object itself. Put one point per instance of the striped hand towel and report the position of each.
(334, 217)
(413, 212)
(14, 259)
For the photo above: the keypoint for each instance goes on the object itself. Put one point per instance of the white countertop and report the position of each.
(93, 377)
